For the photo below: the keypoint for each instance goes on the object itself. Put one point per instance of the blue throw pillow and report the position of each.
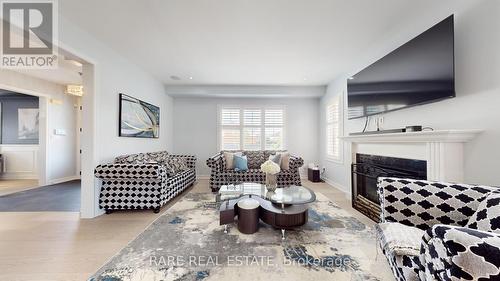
(240, 163)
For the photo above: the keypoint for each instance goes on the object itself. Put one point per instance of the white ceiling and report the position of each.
(67, 72)
(243, 42)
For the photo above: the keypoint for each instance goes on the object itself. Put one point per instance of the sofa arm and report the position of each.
(190, 159)
(459, 253)
(423, 203)
(129, 171)
(391, 192)
(216, 162)
(296, 162)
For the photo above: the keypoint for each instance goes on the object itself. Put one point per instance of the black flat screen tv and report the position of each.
(419, 72)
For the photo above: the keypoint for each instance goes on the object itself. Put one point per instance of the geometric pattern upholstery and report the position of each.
(423, 204)
(404, 267)
(140, 158)
(142, 185)
(487, 215)
(255, 158)
(449, 251)
(220, 175)
(459, 253)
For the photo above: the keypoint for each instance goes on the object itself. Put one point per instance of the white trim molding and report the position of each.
(344, 189)
(457, 136)
(65, 179)
(20, 161)
(241, 126)
(442, 150)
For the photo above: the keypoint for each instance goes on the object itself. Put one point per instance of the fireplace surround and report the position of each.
(441, 150)
(368, 168)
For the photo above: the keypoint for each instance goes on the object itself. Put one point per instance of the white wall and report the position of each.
(477, 59)
(62, 153)
(111, 74)
(114, 75)
(196, 126)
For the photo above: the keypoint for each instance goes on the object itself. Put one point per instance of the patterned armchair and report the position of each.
(220, 175)
(426, 232)
(142, 181)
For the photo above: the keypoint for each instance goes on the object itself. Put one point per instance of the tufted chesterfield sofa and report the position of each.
(435, 215)
(220, 175)
(140, 181)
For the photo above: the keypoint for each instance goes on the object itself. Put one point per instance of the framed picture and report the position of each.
(138, 119)
(28, 121)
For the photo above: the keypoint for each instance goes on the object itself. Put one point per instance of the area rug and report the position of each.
(187, 243)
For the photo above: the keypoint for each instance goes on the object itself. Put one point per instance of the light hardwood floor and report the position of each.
(12, 186)
(60, 246)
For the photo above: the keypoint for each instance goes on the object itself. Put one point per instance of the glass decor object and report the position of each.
(271, 181)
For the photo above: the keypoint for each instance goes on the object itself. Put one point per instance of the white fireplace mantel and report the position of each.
(442, 149)
(460, 136)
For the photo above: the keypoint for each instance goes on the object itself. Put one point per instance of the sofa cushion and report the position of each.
(284, 157)
(285, 161)
(229, 159)
(175, 165)
(399, 239)
(487, 215)
(255, 158)
(142, 158)
(240, 163)
(276, 158)
(159, 156)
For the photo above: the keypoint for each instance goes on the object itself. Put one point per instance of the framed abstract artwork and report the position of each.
(28, 122)
(138, 119)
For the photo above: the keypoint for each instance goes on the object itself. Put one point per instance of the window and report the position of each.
(251, 128)
(333, 122)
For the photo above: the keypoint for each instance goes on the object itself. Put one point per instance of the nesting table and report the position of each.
(285, 208)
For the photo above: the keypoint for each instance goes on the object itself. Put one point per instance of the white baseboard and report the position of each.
(338, 186)
(18, 176)
(65, 179)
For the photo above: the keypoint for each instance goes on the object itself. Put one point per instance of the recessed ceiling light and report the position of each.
(351, 78)
(173, 77)
(190, 77)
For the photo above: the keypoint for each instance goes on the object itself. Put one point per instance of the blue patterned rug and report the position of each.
(187, 243)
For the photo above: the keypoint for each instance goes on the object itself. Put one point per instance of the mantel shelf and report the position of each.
(455, 136)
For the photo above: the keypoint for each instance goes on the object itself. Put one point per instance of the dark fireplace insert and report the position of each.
(368, 168)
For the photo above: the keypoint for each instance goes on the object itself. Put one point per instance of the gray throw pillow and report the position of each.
(175, 165)
(276, 158)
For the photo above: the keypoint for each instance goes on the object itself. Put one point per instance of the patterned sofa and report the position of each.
(220, 175)
(434, 218)
(142, 181)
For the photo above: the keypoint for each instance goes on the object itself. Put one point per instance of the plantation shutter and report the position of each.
(256, 128)
(274, 135)
(333, 129)
(252, 129)
(230, 133)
